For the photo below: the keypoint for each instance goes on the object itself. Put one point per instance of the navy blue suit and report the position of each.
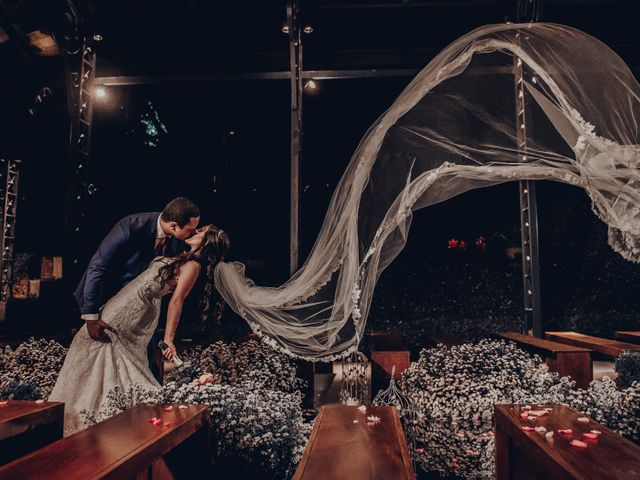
(124, 253)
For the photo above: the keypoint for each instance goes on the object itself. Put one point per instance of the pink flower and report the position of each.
(453, 243)
(4, 403)
(591, 436)
(565, 431)
(583, 419)
(596, 432)
(155, 421)
(526, 428)
(524, 414)
(168, 408)
(578, 443)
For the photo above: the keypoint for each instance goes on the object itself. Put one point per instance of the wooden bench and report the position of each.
(559, 357)
(126, 446)
(530, 455)
(604, 346)
(340, 448)
(387, 350)
(28, 425)
(629, 337)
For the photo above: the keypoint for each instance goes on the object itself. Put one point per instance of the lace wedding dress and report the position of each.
(92, 368)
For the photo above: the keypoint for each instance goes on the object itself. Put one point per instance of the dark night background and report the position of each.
(226, 146)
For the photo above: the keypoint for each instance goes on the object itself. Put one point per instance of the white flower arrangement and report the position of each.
(30, 371)
(454, 391)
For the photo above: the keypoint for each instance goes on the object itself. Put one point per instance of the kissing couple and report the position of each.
(144, 257)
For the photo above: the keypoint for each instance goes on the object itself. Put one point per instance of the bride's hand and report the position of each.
(169, 352)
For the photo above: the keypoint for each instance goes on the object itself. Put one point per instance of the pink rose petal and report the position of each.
(583, 419)
(4, 403)
(566, 431)
(528, 429)
(578, 443)
(168, 408)
(524, 414)
(591, 436)
(596, 432)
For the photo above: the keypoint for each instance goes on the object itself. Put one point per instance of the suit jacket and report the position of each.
(124, 253)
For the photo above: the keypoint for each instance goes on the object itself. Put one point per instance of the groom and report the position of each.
(126, 251)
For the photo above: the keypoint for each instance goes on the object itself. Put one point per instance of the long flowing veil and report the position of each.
(460, 124)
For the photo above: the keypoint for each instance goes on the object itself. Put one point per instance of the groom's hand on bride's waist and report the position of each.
(96, 329)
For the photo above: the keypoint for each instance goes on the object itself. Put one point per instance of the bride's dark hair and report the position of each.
(211, 251)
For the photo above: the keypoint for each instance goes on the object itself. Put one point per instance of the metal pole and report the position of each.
(527, 11)
(7, 232)
(81, 87)
(295, 59)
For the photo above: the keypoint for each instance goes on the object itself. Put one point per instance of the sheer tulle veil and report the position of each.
(458, 126)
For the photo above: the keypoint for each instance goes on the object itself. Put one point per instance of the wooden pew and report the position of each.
(340, 448)
(604, 346)
(530, 455)
(28, 425)
(564, 359)
(387, 350)
(126, 446)
(629, 337)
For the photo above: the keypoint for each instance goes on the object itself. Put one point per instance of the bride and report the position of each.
(93, 368)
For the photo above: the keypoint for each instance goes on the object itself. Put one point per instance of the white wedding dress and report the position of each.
(92, 368)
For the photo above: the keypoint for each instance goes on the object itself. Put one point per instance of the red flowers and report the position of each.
(455, 244)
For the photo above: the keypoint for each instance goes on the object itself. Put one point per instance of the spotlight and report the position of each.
(285, 28)
(312, 86)
(308, 29)
(97, 37)
(100, 92)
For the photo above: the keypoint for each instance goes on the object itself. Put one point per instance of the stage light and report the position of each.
(100, 92)
(308, 29)
(312, 86)
(97, 37)
(285, 28)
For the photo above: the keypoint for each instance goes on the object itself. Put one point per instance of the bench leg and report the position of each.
(502, 454)
(575, 364)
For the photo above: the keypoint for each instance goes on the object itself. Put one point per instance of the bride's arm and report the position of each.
(186, 279)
